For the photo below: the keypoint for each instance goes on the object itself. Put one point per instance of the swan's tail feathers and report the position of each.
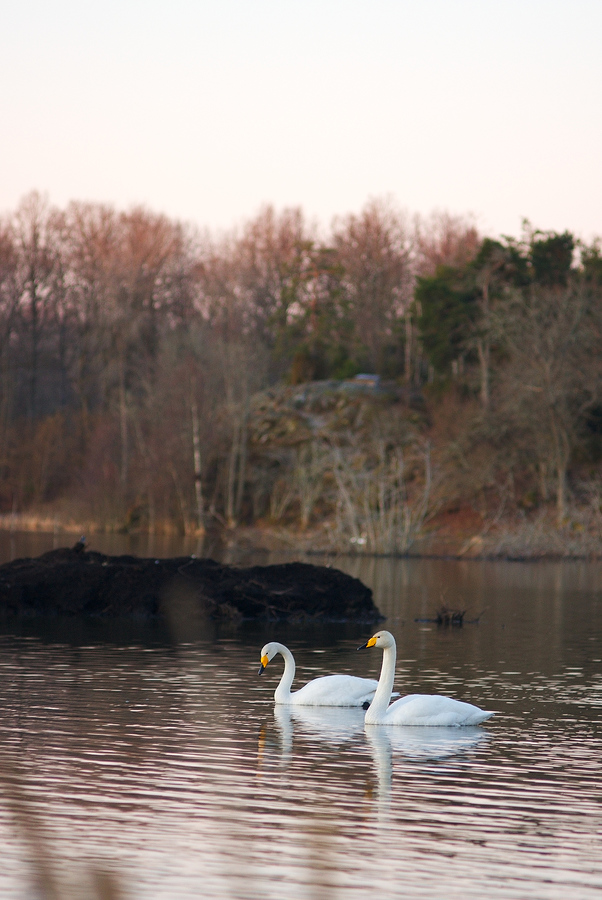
(482, 716)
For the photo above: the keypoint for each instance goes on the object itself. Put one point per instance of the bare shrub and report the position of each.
(579, 535)
(382, 497)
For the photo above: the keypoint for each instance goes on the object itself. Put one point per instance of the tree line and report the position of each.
(131, 347)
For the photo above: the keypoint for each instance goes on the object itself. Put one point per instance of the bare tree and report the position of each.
(10, 297)
(443, 239)
(313, 462)
(383, 495)
(553, 372)
(255, 283)
(374, 249)
(35, 239)
(492, 260)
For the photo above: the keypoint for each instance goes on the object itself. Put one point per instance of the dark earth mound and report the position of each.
(76, 582)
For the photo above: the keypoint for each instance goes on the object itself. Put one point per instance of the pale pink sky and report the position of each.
(207, 110)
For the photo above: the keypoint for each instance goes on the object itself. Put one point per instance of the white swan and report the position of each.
(415, 709)
(328, 690)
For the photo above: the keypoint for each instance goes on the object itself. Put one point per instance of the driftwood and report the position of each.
(446, 616)
(76, 582)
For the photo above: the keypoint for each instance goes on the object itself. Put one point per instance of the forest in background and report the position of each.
(156, 377)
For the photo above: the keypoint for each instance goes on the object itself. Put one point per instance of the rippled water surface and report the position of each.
(168, 767)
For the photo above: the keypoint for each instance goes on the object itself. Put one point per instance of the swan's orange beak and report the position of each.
(264, 662)
(369, 643)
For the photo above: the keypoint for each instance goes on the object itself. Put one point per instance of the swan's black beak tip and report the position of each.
(261, 669)
(364, 646)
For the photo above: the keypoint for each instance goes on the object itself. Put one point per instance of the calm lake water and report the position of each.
(166, 765)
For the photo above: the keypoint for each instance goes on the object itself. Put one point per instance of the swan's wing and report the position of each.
(335, 690)
(433, 710)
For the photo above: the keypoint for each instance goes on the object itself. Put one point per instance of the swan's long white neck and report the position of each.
(379, 704)
(282, 694)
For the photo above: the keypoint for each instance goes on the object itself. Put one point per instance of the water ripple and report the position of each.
(174, 771)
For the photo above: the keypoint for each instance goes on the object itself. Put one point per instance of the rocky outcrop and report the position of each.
(75, 582)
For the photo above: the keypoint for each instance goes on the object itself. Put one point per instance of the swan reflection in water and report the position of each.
(415, 744)
(333, 725)
(340, 726)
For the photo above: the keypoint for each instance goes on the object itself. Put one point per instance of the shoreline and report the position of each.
(529, 543)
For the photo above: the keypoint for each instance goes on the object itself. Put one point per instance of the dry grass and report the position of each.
(579, 536)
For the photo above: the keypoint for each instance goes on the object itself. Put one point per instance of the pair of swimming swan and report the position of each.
(350, 690)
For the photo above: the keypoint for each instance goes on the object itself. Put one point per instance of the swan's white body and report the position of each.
(415, 709)
(329, 690)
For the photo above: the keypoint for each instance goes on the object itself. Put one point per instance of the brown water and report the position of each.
(168, 767)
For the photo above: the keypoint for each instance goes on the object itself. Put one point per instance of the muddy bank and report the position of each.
(77, 582)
